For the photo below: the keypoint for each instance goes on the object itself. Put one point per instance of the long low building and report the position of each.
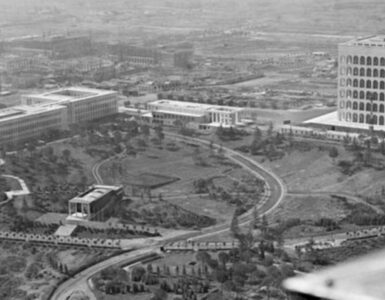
(168, 111)
(22, 123)
(83, 104)
(54, 110)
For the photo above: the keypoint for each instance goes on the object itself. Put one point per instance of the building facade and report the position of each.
(361, 81)
(21, 123)
(83, 104)
(168, 111)
(95, 204)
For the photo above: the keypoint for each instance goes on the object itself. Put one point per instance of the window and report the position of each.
(342, 59)
(362, 60)
(355, 94)
(382, 85)
(374, 107)
(362, 118)
(355, 60)
(382, 108)
(368, 84)
(362, 95)
(374, 96)
(382, 73)
(342, 104)
(375, 73)
(362, 72)
(348, 105)
(368, 107)
(355, 71)
(349, 60)
(342, 93)
(355, 118)
(382, 61)
(349, 71)
(349, 94)
(375, 84)
(374, 120)
(342, 71)
(381, 120)
(362, 106)
(382, 97)
(368, 73)
(349, 82)
(375, 61)
(367, 119)
(369, 61)
(355, 106)
(362, 83)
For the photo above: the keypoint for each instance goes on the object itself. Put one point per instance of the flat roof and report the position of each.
(64, 94)
(20, 111)
(193, 105)
(374, 40)
(94, 193)
(331, 119)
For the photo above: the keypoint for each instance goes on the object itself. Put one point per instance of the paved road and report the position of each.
(275, 195)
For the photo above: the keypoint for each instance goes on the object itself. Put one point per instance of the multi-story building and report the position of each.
(168, 111)
(22, 123)
(361, 82)
(95, 204)
(83, 104)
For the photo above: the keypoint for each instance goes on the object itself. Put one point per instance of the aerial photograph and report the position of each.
(192, 149)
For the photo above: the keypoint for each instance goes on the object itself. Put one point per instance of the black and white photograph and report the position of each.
(192, 150)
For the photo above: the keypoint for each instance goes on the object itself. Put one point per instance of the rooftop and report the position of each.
(195, 106)
(94, 193)
(72, 94)
(369, 41)
(23, 110)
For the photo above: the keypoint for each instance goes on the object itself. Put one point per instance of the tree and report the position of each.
(234, 226)
(159, 294)
(333, 153)
(137, 273)
(159, 133)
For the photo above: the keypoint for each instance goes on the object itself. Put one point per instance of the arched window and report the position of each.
(374, 120)
(362, 72)
(382, 108)
(362, 60)
(382, 61)
(382, 85)
(375, 61)
(368, 95)
(362, 83)
(355, 60)
(342, 82)
(355, 105)
(355, 118)
(348, 105)
(342, 104)
(362, 106)
(368, 72)
(348, 94)
(355, 71)
(368, 107)
(374, 96)
(348, 82)
(355, 83)
(355, 94)
(369, 61)
(348, 116)
(349, 59)
(381, 120)
(349, 71)
(367, 119)
(375, 73)
(368, 84)
(382, 73)
(382, 98)
(375, 107)
(375, 84)
(342, 93)
(362, 95)
(362, 118)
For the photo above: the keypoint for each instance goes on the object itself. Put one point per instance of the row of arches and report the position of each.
(368, 84)
(362, 60)
(362, 106)
(362, 118)
(368, 72)
(362, 95)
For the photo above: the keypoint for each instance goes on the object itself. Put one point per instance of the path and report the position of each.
(276, 193)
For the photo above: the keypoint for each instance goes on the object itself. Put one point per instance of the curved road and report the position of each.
(276, 191)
